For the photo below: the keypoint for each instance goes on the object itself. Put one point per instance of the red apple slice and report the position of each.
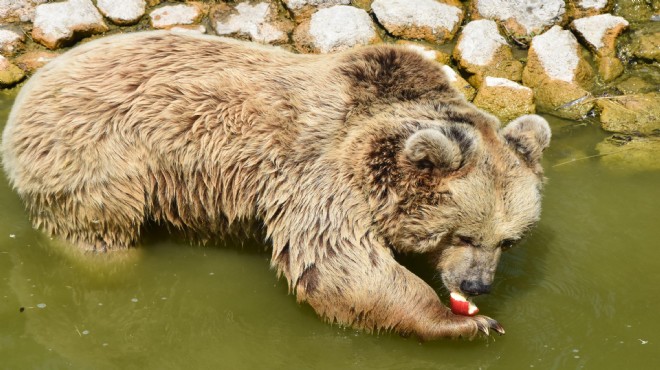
(461, 306)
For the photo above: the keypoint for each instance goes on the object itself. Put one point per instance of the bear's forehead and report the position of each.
(509, 202)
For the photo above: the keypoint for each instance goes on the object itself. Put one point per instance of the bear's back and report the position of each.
(115, 94)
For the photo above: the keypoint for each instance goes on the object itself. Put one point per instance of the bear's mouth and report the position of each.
(460, 305)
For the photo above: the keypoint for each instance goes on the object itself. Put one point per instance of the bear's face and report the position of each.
(462, 194)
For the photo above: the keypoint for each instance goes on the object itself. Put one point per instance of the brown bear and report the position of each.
(343, 159)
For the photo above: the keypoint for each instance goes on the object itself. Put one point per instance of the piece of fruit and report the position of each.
(461, 306)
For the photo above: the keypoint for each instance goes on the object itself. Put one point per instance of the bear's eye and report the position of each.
(424, 164)
(465, 241)
(506, 244)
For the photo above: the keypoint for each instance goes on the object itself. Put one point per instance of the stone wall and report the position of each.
(562, 58)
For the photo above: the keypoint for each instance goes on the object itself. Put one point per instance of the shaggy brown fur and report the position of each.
(341, 157)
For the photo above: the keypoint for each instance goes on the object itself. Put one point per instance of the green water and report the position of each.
(581, 292)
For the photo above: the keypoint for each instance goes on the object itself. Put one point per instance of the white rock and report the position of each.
(533, 15)
(452, 76)
(57, 23)
(192, 29)
(557, 50)
(7, 36)
(425, 52)
(459, 83)
(504, 82)
(172, 15)
(298, 4)
(593, 28)
(420, 13)
(9, 41)
(479, 42)
(341, 27)
(481, 51)
(122, 11)
(592, 4)
(252, 21)
(21, 10)
(428, 52)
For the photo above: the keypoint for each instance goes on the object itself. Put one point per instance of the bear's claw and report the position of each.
(485, 323)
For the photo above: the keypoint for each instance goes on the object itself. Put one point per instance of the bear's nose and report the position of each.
(474, 287)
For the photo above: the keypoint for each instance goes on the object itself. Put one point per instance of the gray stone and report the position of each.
(304, 8)
(18, 10)
(585, 8)
(58, 24)
(172, 15)
(600, 31)
(11, 41)
(559, 75)
(123, 12)
(430, 20)
(336, 28)
(521, 18)
(481, 51)
(256, 21)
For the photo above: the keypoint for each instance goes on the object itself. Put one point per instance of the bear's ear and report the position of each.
(385, 72)
(528, 135)
(430, 148)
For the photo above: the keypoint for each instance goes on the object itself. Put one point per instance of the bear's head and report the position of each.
(441, 177)
(457, 188)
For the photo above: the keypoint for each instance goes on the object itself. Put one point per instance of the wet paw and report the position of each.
(485, 324)
(459, 326)
(97, 247)
(100, 246)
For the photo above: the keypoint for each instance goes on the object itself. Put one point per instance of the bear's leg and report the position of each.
(370, 290)
(96, 219)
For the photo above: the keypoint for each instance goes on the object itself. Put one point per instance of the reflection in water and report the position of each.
(579, 291)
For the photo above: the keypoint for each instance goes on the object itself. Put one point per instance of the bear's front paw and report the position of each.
(459, 326)
(471, 326)
(485, 324)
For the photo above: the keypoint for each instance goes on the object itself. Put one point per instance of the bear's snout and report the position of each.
(474, 287)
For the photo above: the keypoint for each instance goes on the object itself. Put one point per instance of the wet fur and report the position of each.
(202, 133)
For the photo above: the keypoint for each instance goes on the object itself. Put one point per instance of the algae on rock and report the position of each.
(505, 99)
(628, 153)
(559, 74)
(10, 74)
(481, 51)
(631, 114)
